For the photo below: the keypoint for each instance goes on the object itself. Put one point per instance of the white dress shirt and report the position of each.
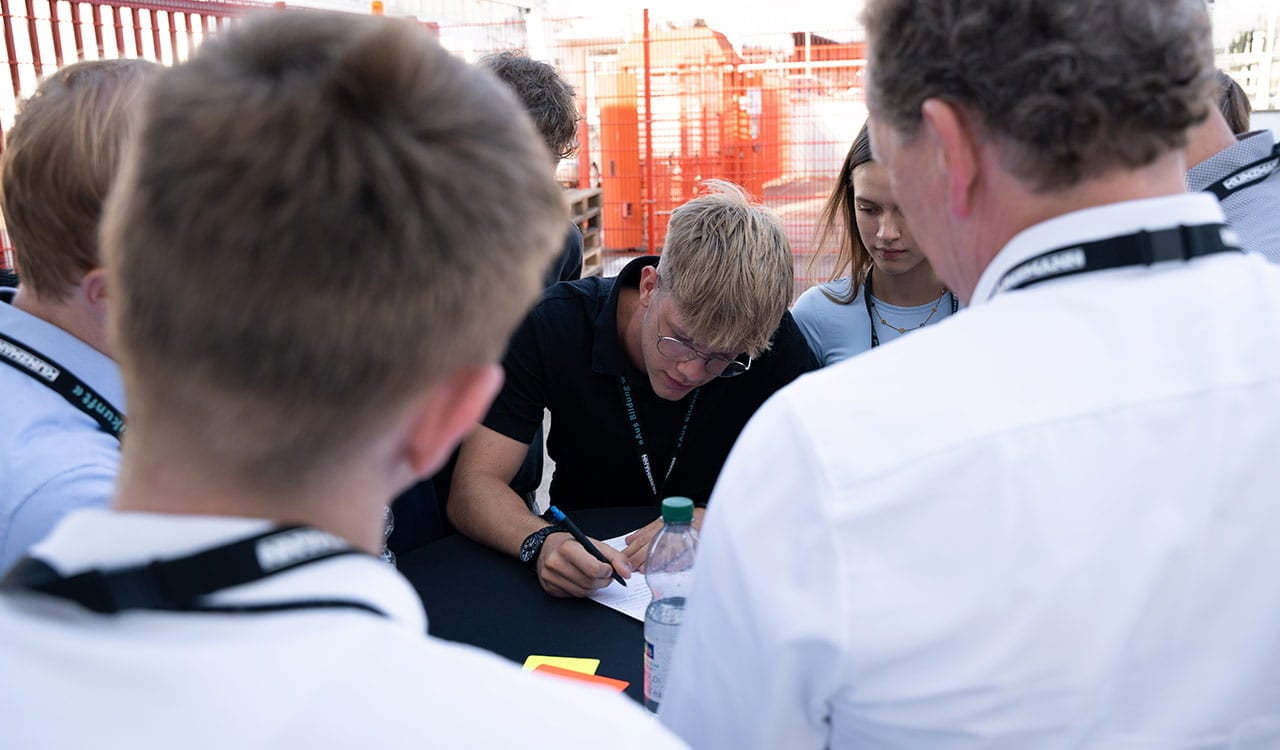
(53, 457)
(310, 678)
(1050, 522)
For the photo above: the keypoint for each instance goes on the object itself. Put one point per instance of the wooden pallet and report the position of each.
(584, 210)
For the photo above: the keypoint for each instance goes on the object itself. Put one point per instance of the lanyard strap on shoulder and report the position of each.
(179, 584)
(62, 381)
(642, 449)
(1246, 176)
(1138, 249)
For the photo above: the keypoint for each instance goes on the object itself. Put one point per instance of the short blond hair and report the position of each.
(59, 161)
(321, 216)
(727, 264)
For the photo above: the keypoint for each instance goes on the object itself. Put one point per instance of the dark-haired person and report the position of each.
(63, 400)
(1051, 521)
(1241, 168)
(1234, 103)
(890, 290)
(324, 232)
(550, 101)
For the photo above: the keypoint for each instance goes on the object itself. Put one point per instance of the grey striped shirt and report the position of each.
(1254, 211)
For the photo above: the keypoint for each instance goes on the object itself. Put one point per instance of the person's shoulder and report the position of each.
(49, 452)
(579, 294)
(820, 299)
(565, 306)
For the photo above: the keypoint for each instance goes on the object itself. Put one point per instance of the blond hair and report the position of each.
(727, 264)
(59, 160)
(321, 216)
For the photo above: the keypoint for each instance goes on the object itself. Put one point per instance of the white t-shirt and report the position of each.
(1069, 541)
(331, 678)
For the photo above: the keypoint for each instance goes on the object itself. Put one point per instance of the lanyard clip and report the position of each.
(1164, 245)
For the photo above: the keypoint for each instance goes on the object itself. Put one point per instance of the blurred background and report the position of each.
(765, 93)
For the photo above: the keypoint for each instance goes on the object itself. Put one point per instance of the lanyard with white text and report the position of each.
(642, 449)
(179, 584)
(1246, 176)
(866, 298)
(62, 381)
(1138, 249)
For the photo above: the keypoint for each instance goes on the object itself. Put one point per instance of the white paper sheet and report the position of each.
(632, 599)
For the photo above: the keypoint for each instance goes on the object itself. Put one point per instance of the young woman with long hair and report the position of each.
(882, 286)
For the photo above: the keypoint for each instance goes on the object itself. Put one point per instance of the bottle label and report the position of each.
(652, 676)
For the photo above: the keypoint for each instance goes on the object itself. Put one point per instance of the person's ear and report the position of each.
(955, 145)
(93, 286)
(648, 284)
(447, 413)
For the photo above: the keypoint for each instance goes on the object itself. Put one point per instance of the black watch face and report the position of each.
(529, 550)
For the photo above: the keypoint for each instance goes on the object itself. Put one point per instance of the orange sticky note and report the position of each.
(594, 679)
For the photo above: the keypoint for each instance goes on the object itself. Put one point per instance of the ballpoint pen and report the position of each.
(559, 517)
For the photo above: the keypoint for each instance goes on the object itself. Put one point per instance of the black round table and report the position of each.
(479, 596)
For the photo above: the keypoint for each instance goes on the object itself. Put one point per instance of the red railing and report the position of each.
(663, 108)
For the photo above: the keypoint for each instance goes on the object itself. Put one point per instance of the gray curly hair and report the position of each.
(1069, 88)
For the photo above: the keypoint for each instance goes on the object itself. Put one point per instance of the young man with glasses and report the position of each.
(649, 378)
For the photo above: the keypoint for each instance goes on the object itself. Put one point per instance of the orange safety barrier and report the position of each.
(664, 108)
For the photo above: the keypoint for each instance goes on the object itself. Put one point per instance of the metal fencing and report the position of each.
(663, 109)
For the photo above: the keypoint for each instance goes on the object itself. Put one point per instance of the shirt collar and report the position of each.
(607, 354)
(100, 538)
(1097, 223)
(96, 369)
(1248, 148)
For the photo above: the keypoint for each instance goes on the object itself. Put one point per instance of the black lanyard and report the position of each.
(1138, 249)
(871, 317)
(1247, 176)
(63, 382)
(642, 449)
(179, 584)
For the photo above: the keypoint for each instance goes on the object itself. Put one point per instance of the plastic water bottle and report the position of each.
(669, 573)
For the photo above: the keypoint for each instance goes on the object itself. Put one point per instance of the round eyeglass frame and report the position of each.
(678, 351)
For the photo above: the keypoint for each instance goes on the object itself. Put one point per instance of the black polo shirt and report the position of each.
(567, 357)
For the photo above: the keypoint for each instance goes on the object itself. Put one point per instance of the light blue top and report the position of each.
(1254, 211)
(53, 458)
(837, 332)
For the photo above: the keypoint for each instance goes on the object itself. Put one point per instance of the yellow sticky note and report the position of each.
(573, 664)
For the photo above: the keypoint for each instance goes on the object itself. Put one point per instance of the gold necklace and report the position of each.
(932, 311)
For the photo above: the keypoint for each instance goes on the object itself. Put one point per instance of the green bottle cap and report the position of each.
(677, 510)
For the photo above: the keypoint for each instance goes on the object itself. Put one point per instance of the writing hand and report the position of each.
(566, 569)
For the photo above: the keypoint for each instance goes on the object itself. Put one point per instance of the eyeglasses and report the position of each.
(678, 351)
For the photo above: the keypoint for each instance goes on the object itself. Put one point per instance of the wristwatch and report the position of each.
(531, 547)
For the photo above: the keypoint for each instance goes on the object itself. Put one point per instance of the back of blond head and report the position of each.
(60, 158)
(321, 216)
(727, 263)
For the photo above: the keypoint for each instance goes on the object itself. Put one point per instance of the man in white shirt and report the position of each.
(1049, 521)
(326, 229)
(62, 397)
